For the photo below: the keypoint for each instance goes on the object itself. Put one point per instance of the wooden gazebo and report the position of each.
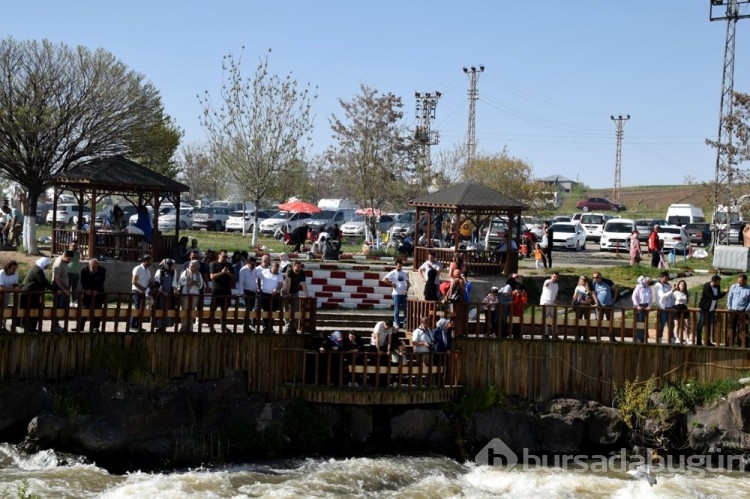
(478, 204)
(115, 175)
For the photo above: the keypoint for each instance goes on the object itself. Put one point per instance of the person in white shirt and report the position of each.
(8, 283)
(421, 338)
(664, 302)
(547, 300)
(248, 286)
(140, 280)
(271, 282)
(382, 335)
(399, 281)
(189, 284)
(430, 273)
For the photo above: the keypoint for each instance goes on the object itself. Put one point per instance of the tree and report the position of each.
(156, 147)
(197, 171)
(258, 131)
(374, 153)
(510, 176)
(62, 106)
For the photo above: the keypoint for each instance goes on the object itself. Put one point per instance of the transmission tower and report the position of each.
(424, 135)
(619, 122)
(471, 134)
(729, 11)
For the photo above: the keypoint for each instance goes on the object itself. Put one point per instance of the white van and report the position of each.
(683, 214)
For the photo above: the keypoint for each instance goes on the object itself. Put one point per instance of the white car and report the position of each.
(283, 219)
(673, 235)
(593, 224)
(568, 235)
(240, 220)
(67, 213)
(356, 226)
(535, 225)
(616, 235)
(168, 218)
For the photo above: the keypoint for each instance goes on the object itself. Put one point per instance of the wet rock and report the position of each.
(421, 429)
(721, 427)
(513, 427)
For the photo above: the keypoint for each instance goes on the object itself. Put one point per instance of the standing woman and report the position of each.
(8, 283)
(582, 301)
(163, 293)
(635, 249)
(189, 285)
(31, 299)
(681, 299)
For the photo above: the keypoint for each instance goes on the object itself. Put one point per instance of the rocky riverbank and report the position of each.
(158, 424)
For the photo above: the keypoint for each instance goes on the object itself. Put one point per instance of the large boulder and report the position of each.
(19, 403)
(421, 429)
(513, 427)
(722, 427)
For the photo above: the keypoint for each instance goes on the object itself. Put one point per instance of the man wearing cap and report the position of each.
(635, 249)
(655, 246)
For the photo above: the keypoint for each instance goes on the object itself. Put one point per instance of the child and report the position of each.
(538, 256)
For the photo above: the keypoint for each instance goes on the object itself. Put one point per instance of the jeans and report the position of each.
(706, 318)
(399, 303)
(640, 316)
(139, 302)
(665, 317)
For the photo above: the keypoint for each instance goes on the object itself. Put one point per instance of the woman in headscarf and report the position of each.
(164, 301)
(31, 298)
(189, 285)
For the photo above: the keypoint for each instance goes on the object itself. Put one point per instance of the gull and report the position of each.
(642, 472)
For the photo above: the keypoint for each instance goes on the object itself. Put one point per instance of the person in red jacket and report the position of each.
(655, 246)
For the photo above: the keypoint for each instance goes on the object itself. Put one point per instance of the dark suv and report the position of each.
(598, 204)
(699, 233)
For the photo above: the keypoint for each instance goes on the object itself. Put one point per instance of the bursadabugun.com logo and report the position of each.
(497, 453)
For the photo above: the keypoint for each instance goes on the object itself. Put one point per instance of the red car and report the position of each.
(598, 204)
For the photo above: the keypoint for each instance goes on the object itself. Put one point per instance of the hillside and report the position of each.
(649, 200)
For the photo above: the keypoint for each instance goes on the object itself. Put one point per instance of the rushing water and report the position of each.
(417, 477)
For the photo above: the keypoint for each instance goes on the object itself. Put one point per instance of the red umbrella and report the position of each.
(369, 212)
(299, 207)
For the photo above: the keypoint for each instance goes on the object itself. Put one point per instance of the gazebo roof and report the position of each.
(468, 196)
(117, 174)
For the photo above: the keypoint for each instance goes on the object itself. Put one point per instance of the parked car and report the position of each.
(568, 235)
(734, 231)
(134, 217)
(576, 217)
(42, 208)
(561, 218)
(327, 218)
(593, 224)
(406, 223)
(282, 219)
(498, 229)
(244, 219)
(67, 213)
(210, 217)
(604, 204)
(616, 235)
(644, 226)
(128, 210)
(168, 218)
(535, 225)
(672, 235)
(699, 233)
(356, 226)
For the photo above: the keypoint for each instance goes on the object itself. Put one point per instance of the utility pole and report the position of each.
(724, 173)
(424, 135)
(619, 122)
(471, 134)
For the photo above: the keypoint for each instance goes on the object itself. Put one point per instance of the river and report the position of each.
(49, 476)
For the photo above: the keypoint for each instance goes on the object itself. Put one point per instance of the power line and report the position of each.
(619, 121)
(471, 133)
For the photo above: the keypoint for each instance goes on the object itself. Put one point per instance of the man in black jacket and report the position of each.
(92, 285)
(709, 297)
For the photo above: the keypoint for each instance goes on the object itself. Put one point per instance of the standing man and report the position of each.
(430, 273)
(421, 338)
(604, 292)
(61, 281)
(547, 301)
(92, 286)
(548, 234)
(709, 298)
(248, 284)
(294, 282)
(655, 246)
(140, 280)
(399, 281)
(738, 301)
(271, 282)
(382, 336)
(664, 301)
(74, 270)
(222, 277)
(11, 219)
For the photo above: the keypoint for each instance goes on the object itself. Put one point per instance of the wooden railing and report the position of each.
(368, 369)
(478, 262)
(565, 322)
(114, 245)
(163, 315)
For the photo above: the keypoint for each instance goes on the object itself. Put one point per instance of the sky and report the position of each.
(555, 72)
